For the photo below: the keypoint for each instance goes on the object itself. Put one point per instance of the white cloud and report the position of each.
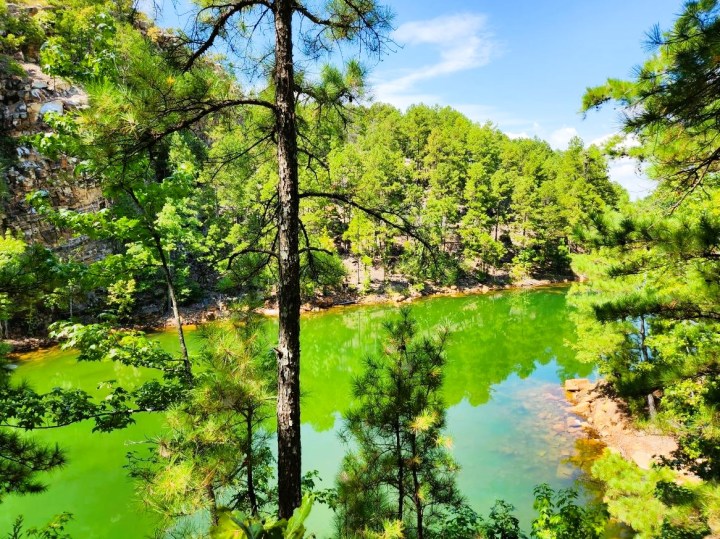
(462, 42)
(602, 140)
(625, 171)
(560, 138)
(512, 135)
(486, 113)
(627, 141)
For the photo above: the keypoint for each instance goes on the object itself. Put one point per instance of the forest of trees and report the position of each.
(425, 194)
(241, 174)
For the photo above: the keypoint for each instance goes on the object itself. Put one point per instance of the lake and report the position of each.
(507, 355)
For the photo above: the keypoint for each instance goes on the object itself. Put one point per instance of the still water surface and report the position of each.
(506, 357)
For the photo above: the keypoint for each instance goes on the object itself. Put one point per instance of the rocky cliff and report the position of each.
(27, 95)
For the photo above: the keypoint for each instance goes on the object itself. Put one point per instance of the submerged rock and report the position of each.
(565, 470)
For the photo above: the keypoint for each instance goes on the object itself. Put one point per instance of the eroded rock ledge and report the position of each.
(607, 417)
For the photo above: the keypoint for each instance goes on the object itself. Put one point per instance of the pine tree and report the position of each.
(215, 454)
(402, 469)
(661, 256)
(22, 459)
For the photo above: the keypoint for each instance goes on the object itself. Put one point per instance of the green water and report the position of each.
(506, 356)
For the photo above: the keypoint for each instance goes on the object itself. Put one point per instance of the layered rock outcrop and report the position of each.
(27, 95)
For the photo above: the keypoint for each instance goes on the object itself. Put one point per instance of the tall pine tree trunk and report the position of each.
(652, 410)
(288, 351)
(401, 472)
(420, 533)
(252, 497)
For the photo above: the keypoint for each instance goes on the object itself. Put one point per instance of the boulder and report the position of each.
(573, 422)
(607, 416)
(577, 384)
(582, 408)
(52, 106)
(34, 111)
(324, 302)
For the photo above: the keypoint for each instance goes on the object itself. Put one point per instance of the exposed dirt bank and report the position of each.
(28, 344)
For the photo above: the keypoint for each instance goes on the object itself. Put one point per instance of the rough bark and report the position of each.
(250, 465)
(401, 472)
(288, 350)
(416, 494)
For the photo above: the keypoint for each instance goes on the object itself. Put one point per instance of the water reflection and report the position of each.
(507, 414)
(492, 337)
(506, 355)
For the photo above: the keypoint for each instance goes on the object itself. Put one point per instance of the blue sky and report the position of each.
(522, 64)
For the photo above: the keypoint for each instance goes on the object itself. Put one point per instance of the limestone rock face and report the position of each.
(53, 107)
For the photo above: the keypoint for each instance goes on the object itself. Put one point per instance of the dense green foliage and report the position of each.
(560, 517)
(188, 175)
(401, 469)
(214, 455)
(100, 342)
(22, 459)
(488, 204)
(36, 285)
(650, 311)
(191, 188)
(652, 502)
(515, 214)
(19, 31)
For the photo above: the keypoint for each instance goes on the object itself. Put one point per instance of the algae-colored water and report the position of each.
(507, 354)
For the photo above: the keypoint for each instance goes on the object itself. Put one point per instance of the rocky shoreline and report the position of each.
(217, 307)
(409, 294)
(605, 417)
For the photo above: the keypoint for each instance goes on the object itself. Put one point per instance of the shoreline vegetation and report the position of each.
(153, 177)
(396, 292)
(406, 293)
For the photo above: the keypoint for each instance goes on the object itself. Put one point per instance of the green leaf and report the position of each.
(295, 526)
